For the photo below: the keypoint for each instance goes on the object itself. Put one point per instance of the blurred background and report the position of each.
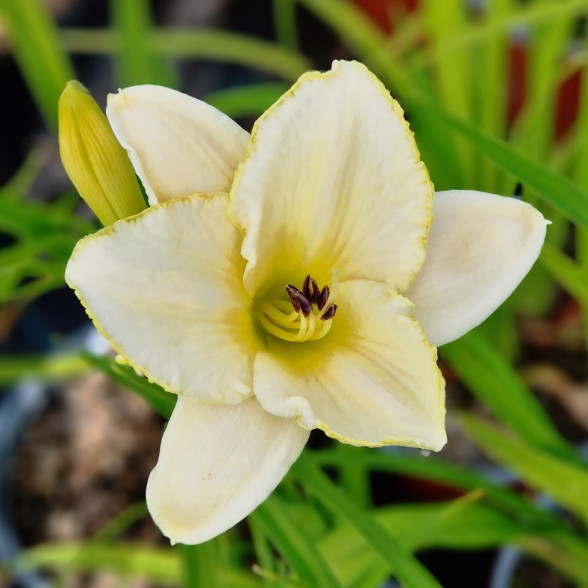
(496, 92)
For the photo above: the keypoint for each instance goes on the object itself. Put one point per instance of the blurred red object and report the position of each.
(382, 11)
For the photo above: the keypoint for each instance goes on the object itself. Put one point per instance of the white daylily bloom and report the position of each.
(193, 290)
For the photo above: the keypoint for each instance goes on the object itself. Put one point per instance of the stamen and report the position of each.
(330, 313)
(297, 320)
(305, 304)
(293, 293)
(315, 292)
(306, 286)
(323, 297)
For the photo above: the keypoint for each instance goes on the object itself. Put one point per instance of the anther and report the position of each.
(293, 293)
(323, 297)
(305, 304)
(330, 313)
(309, 316)
(306, 286)
(315, 292)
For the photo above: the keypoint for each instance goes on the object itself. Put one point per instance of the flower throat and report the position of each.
(306, 315)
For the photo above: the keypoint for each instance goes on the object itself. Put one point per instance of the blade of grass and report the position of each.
(439, 471)
(534, 131)
(355, 478)
(38, 51)
(293, 543)
(200, 564)
(564, 481)
(209, 44)
(127, 560)
(364, 38)
(285, 23)
(501, 389)
(531, 14)
(121, 522)
(453, 74)
(44, 367)
(368, 42)
(563, 195)
(460, 524)
(571, 275)
(581, 176)
(162, 402)
(408, 570)
(136, 62)
(263, 549)
(492, 58)
(252, 100)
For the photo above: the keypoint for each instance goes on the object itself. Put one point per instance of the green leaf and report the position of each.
(37, 49)
(49, 368)
(293, 543)
(163, 402)
(462, 524)
(121, 522)
(370, 45)
(500, 388)
(490, 72)
(285, 23)
(532, 14)
(209, 44)
(44, 233)
(252, 100)
(568, 273)
(553, 188)
(440, 471)
(565, 482)
(136, 62)
(409, 571)
(534, 129)
(452, 75)
(581, 176)
(127, 560)
(201, 564)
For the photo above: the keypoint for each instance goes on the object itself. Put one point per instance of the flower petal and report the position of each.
(178, 145)
(216, 465)
(480, 247)
(332, 180)
(165, 288)
(373, 380)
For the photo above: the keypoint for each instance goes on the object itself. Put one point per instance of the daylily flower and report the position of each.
(294, 279)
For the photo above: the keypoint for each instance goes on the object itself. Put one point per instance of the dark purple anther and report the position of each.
(306, 286)
(330, 313)
(305, 304)
(293, 293)
(323, 297)
(315, 291)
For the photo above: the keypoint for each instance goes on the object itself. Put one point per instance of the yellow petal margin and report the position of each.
(332, 180)
(372, 381)
(165, 287)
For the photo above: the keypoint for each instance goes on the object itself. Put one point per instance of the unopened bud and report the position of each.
(93, 158)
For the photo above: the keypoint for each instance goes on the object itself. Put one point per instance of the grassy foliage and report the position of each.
(314, 532)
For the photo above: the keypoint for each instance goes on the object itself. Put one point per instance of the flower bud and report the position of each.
(93, 158)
